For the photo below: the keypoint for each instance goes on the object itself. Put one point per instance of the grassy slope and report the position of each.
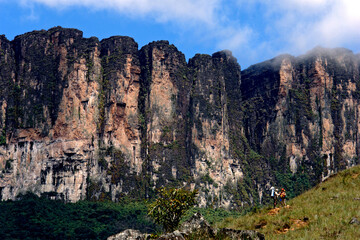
(329, 207)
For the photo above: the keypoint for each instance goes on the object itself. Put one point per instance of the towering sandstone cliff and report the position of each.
(87, 119)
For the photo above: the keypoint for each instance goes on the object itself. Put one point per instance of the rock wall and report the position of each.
(305, 116)
(215, 78)
(87, 119)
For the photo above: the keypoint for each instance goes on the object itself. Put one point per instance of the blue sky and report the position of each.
(254, 30)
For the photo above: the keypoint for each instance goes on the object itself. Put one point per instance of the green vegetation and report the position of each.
(244, 190)
(118, 168)
(294, 183)
(171, 206)
(206, 178)
(35, 217)
(300, 104)
(3, 137)
(103, 93)
(8, 165)
(214, 215)
(324, 212)
(89, 64)
(113, 161)
(15, 111)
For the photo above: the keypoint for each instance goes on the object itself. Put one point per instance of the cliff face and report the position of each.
(69, 100)
(214, 101)
(88, 119)
(164, 102)
(306, 114)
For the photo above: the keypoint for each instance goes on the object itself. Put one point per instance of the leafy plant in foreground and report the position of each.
(171, 206)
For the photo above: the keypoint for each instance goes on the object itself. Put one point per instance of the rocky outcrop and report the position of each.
(128, 234)
(197, 227)
(194, 228)
(197, 224)
(87, 119)
(176, 235)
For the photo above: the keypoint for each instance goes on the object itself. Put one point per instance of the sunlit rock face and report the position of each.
(71, 107)
(87, 119)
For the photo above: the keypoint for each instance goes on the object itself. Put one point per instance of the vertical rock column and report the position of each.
(118, 119)
(216, 80)
(164, 103)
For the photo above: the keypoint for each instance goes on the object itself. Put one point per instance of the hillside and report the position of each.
(323, 212)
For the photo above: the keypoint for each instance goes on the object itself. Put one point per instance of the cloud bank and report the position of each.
(302, 24)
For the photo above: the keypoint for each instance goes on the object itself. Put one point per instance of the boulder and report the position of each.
(128, 234)
(240, 234)
(176, 235)
(197, 223)
(355, 221)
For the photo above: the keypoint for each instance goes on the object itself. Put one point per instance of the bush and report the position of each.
(171, 206)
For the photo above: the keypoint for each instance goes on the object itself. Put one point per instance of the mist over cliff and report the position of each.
(87, 119)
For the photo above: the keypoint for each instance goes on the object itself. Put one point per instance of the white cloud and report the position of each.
(303, 5)
(303, 24)
(342, 23)
(234, 38)
(161, 10)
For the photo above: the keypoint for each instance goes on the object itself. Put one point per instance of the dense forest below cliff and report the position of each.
(32, 217)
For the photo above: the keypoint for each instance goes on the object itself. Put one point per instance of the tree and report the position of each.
(171, 205)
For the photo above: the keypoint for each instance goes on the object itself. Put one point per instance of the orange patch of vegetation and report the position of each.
(299, 223)
(294, 224)
(274, 211)
(261, 224)
(355, 175)
(284, 229)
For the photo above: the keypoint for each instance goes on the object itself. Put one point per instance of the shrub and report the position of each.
(171, 206)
